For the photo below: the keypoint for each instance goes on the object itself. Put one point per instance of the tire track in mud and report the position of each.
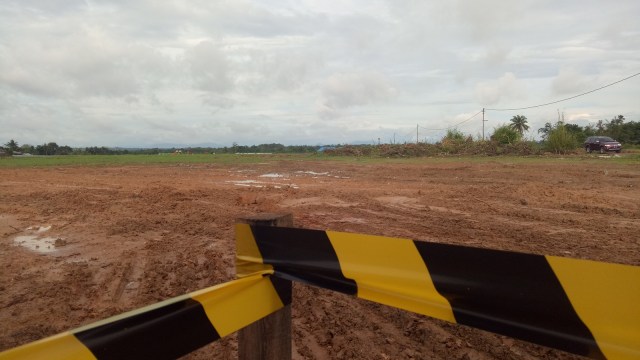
(138, 235)
(123, 281)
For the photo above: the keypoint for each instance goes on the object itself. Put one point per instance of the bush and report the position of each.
(506, 135)
(453, 135)
(560, 140)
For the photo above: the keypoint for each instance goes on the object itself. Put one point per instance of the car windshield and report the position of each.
(605, 138)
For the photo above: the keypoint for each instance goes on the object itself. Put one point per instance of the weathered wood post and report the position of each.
(270, 337)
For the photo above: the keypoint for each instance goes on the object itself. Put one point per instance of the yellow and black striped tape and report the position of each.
(169, 329)
(583, 307)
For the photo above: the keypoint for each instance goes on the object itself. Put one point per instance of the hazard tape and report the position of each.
(169, 329)
(584, 307)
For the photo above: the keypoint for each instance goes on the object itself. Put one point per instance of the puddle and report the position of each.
(313, 173)
(35, 243)
(249, 185)
(39, 229)
(261, 184)
(313, 201)
(238, 182)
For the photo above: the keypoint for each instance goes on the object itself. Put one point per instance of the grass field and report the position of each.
(111, 160)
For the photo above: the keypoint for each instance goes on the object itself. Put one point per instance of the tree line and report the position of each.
(563, 138)
(617, 128)
(506, 139)
(560, 137)
(12, 147)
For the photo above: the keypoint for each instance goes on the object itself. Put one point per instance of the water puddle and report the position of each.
(266, 183)
(272, 175)
(39, 229)
(313, 173)
(35, 241)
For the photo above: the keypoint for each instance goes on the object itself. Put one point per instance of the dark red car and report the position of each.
(601, 143)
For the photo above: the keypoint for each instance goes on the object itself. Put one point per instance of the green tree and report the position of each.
(545, 130)
(577, 131)
(519, 124)
(453, 135)
(504, 134)
(27, 149)
(47, 149)
(560, 139)
(617, 128)
(64, 150)
(12, 146)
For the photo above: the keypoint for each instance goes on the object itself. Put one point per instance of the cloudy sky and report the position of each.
(189, 72)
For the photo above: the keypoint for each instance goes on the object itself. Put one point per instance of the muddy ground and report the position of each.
(104, 240)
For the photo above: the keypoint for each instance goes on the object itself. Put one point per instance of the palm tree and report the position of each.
(12, 146)
(519, 124)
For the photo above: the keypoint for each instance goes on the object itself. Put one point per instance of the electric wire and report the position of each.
(408, 135)
(455, 125)
(569, 98)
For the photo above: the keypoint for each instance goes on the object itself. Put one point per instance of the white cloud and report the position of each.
(507, 87)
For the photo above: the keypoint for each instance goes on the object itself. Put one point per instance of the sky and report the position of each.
(143, 73)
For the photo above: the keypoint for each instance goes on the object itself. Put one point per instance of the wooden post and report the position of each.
(268, 338)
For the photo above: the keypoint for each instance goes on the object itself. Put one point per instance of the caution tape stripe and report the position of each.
(547, 300)
(177, 329)
(508, 293)
(314, 261)
(169, 329)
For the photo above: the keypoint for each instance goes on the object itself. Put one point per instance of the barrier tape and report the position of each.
(584, 307)
(169, 329)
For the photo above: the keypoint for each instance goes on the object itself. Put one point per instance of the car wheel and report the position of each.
(602, 150)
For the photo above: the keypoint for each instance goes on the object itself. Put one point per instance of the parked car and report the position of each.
(601, 143)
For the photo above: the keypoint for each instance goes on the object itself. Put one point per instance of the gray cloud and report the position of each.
(205, 70)
(209, 68)
(507, 87)
(345, 90)
(570, 81)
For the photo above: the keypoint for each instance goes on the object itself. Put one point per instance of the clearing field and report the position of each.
(81, 243)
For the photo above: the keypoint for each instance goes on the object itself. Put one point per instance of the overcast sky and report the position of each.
(148, 73)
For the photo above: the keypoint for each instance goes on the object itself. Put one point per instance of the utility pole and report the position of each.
(417, 138)
(483, 120)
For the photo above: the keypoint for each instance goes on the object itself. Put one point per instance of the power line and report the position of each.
(569, 98)
(407, 136)
(455, 125)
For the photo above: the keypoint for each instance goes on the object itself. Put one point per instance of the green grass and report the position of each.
(123, 160)
(227, 159)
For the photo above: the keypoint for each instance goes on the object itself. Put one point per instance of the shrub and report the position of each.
(453, 135)
(560, 140)
(505, 135)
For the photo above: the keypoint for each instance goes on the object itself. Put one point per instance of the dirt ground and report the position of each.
(79, 244)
